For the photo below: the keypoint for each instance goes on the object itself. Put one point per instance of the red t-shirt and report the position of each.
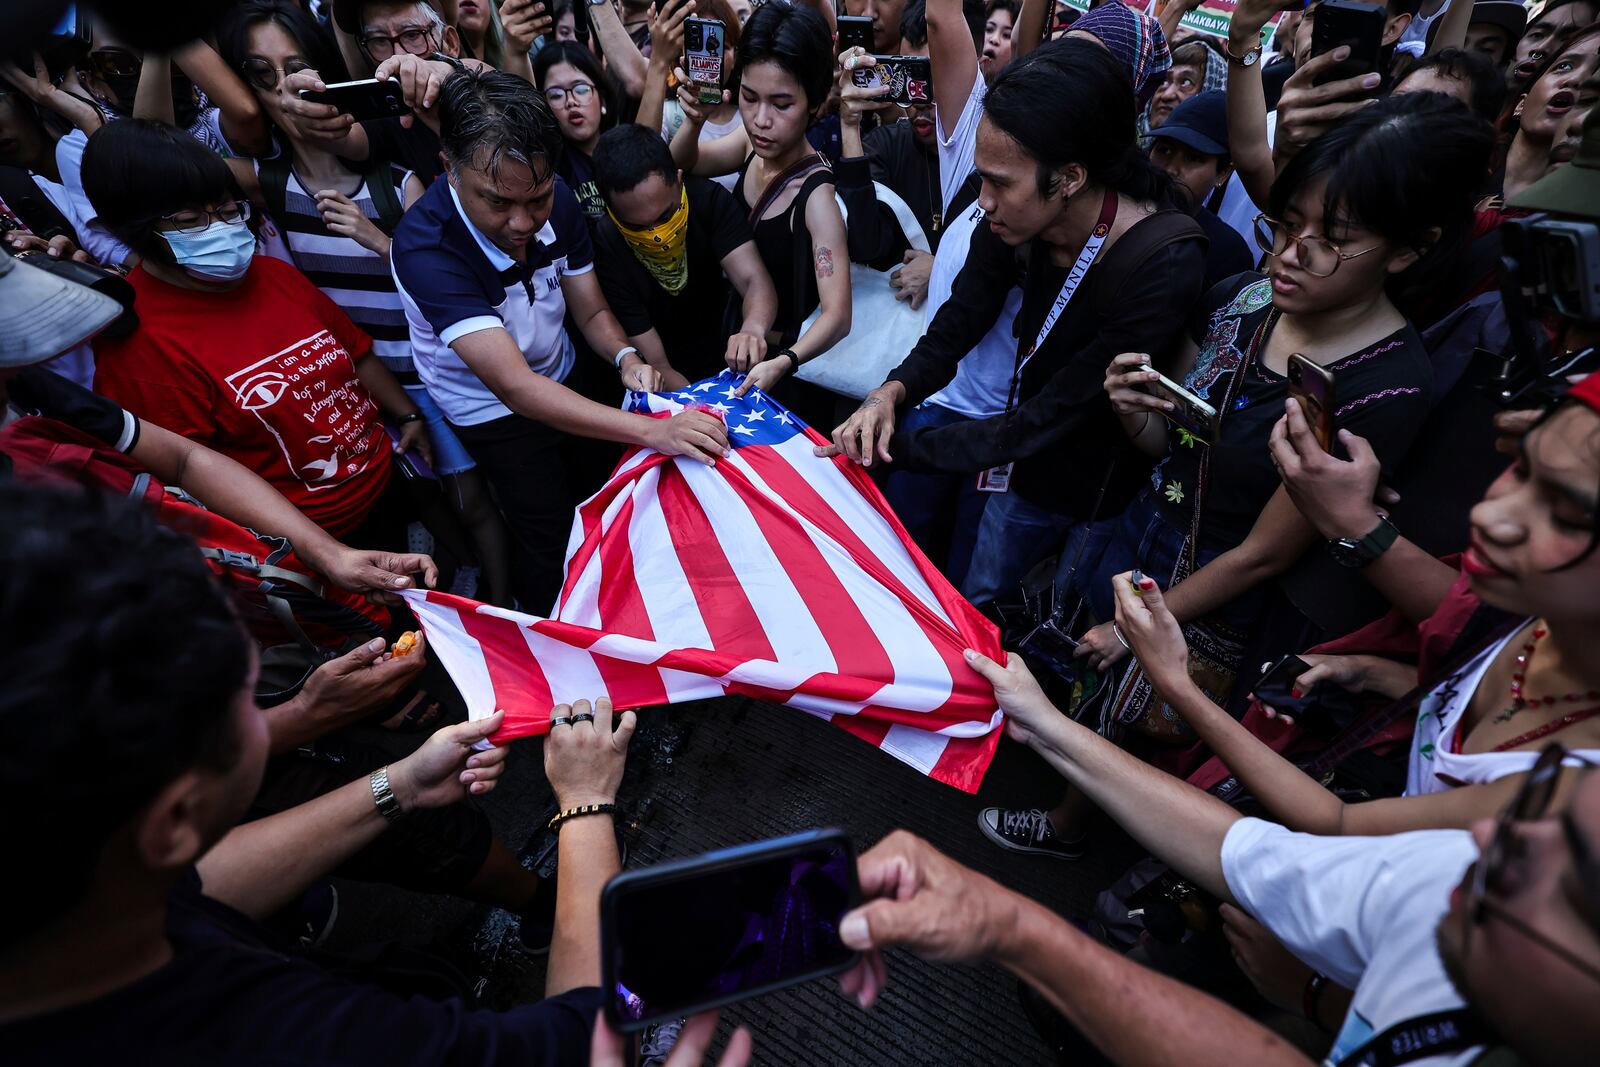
(263, 373)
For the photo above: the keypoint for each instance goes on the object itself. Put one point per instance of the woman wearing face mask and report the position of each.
(336, 219)
(1372, 208)
(1539, 113)
(239, 351)
(585, 106)
(784, 71)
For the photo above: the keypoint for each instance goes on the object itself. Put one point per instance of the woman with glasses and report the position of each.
(238, 351)
(1529, 602)
(1358, 217)
(580, 94)
(336, 219)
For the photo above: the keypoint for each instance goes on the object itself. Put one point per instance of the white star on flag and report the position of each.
(747, 431)
(755, 415)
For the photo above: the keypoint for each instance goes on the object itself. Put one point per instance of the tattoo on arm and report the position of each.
(824, 261)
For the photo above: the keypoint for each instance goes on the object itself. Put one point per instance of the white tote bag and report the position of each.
(882, 329)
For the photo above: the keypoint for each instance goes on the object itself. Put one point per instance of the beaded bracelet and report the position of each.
(585, 809)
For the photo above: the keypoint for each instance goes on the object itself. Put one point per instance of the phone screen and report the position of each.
(1281, 675)
(724, 927)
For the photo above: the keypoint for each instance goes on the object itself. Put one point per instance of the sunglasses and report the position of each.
(264, 76)
(1531, 804)
(115, 63)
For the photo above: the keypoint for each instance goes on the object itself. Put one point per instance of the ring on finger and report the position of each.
(561, 720)
(1117, 630)
(583, 717)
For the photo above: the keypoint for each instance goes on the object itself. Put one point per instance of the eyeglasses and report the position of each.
(1531, 804)
(1319, 257)
(417, 40)
(579, 94)
(264, 75)
(115, 63)
(236, 213)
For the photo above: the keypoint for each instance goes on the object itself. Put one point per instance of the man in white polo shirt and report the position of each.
(489, 263)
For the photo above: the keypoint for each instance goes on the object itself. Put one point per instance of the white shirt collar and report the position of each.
(497, 258)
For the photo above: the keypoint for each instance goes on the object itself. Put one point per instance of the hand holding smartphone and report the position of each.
(695, 934)
(909, 78)
(1189, 412)
(1354, 24)
(366, 99)
(702, 57)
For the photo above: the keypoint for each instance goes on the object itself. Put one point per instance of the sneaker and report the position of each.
(1028, 830)
(658, 1042)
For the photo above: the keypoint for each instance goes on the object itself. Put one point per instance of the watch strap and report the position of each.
(1362, 551)
(383, 794)
(1249, 59)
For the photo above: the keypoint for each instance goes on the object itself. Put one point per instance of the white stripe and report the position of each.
(663, 587)
(582, 604)
(458, 651)
(388, 300)
(784, 617)
(861, 517)
(571, 672)
(454, 332)
(328, 244)
(908, 649)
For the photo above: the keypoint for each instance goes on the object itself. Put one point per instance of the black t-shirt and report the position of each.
(37, 391)
(1382, 393)
(691, 324)
(1226, 252)
(577, 170)
(416, 148)
(228, 997)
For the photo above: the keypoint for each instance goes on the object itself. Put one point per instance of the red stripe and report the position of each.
(857, 652)
(971, 698)
(965, 759)
(622, 611)
(593, 510)
(520, 686)
(729, 617)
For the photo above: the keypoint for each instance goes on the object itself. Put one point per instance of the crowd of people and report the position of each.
(1247, 392)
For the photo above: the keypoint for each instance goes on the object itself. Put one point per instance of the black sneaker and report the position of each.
(1027, 830)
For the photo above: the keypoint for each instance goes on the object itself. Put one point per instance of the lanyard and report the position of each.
(1086, 258)
(1419, 1038)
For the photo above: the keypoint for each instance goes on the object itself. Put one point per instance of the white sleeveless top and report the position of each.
(1434, 767)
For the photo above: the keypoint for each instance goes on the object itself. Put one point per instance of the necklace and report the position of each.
(1519, 696)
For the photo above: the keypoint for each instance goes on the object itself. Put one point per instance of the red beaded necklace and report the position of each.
(1520, 700)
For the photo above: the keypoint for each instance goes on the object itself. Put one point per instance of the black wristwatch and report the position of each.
(1356, 553)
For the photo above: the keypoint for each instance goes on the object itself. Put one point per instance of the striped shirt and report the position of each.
(354, 277)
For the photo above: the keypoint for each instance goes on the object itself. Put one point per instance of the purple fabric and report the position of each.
(1135, 39)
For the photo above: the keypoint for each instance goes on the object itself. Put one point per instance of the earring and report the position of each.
(602, 109)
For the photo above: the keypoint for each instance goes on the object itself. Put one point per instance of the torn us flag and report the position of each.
(775, 574)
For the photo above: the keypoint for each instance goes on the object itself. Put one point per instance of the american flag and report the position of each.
(775, 574)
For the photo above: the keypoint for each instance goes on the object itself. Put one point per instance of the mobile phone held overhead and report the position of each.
(703, 41)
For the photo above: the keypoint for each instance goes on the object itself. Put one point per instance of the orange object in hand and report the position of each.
(404, 643)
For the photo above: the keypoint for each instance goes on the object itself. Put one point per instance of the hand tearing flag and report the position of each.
(775, 574)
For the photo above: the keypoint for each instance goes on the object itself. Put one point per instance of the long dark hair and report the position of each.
(233, 36)
(1409, 164)
(1070, 101)
(796, 39)
(573, 53)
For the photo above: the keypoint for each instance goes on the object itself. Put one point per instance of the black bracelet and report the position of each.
(793, 358)
(415, 416)
(580, 811)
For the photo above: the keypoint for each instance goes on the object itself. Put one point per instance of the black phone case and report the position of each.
(855, 31)
(1348, 22)
(382, 101)
(721, 859)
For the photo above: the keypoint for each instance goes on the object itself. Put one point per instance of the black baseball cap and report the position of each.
(1201, 122)
(1509, 15)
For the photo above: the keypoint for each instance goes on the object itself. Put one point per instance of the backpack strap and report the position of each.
(1166, 227)
(273, 174)
(380, 186)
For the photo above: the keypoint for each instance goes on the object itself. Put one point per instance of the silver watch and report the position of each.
(383, 794)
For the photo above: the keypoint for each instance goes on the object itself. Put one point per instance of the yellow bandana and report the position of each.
(662, 249)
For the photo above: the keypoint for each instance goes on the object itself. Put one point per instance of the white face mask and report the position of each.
(220, 252)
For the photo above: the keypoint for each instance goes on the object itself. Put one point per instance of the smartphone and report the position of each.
(909, 78)
(1280, 676)
(411, 464)
(855, 31)
(1312, 386)
(702, 56)
(365, 99)
(699, 933)
(1189, 412)
(1348, 22)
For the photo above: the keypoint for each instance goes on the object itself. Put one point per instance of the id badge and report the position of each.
(995, 479)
